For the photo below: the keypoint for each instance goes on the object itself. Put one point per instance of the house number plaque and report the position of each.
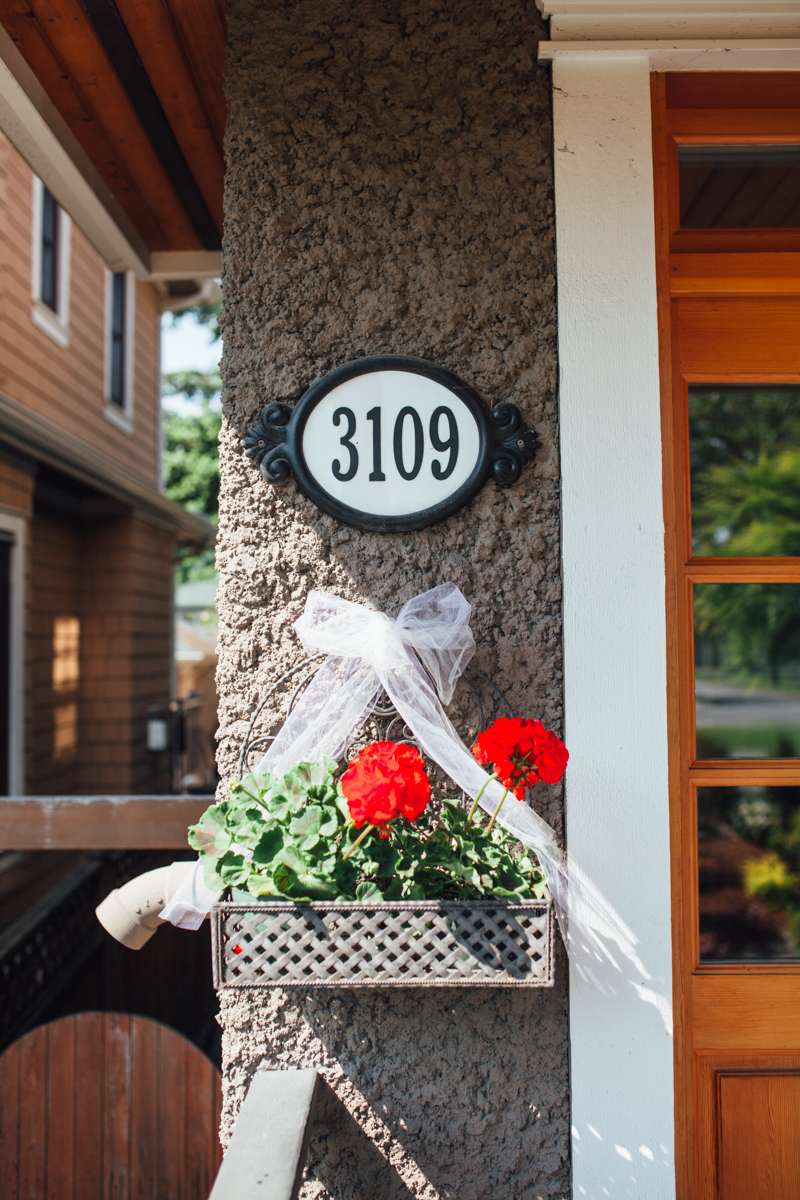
(390, 444)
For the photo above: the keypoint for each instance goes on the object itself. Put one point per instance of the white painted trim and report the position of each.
(122, 418)
(688, 55)
(185, 264)
(32, 123)
(614, 624)
(614, 19)
(17, 526)
(54, 324)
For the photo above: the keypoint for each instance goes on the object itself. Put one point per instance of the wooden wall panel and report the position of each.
(55, 560)
(115, 576)
(66, 385)
(16, 489)
(726, 336)
(759, 1146)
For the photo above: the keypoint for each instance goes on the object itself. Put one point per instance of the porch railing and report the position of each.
(268, 1149)
(98, 822)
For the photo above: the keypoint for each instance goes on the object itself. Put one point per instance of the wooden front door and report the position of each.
(727, 171)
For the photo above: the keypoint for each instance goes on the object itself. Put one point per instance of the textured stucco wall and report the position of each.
(389, 190)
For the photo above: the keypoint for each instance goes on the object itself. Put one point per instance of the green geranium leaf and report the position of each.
(211, 836)
(307, 822)
(268, 846)
(368, 892)
(233, 869)
(293, 826)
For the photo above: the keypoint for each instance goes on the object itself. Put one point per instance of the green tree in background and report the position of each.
(191, 446)
(745, 470)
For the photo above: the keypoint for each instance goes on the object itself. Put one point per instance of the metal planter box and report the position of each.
(397, 944)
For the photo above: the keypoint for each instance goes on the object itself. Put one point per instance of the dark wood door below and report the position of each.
(104, 1106)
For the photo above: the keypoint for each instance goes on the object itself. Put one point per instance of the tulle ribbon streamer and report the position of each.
(417, 659)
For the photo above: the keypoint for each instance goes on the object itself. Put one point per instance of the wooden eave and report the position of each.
(138, 84)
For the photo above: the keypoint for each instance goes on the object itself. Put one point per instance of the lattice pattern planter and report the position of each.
(397, 944)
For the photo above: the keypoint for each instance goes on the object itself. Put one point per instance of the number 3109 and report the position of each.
(439, 443)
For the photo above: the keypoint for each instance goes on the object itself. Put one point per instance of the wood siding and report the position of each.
(66, 385)
(114, 575)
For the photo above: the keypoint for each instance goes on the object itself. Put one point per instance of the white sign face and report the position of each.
(389, 443)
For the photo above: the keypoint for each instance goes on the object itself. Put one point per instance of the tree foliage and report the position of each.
(191, 457)
(745, 479)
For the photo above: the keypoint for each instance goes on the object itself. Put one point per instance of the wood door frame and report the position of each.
(752, 265)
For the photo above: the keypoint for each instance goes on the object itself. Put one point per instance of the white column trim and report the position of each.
(686, 55)
(614, 623)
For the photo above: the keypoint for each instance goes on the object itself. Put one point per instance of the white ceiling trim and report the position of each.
(688, 55)
(604, 20)
(185, 264)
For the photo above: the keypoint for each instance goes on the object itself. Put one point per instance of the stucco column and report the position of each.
(389, 190)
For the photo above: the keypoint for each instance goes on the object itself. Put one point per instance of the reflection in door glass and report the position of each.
(747, 670)
(749, 873)
(739, 187)
(745, 470)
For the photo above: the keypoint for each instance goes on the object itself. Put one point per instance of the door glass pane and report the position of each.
(744, 445)
(749, 873)
(739, 187)
(747, 670)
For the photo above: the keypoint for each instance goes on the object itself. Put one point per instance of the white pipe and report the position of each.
(132, 913)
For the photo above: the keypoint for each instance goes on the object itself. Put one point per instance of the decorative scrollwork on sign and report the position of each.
(391, 444)
(515, 444)
(265, 443)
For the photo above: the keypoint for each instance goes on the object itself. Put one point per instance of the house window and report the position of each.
(120, 301)
(49, 283)
(116, 392)
(50, 263)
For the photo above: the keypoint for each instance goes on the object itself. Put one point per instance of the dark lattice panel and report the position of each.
(396, 944)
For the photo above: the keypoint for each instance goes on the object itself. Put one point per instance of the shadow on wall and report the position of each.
(450, 1094)
(609, 968)
(345, 1161)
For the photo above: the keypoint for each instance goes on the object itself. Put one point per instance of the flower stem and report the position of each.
(357, 842)
(260, 803)
(496, 811)
(471, 812)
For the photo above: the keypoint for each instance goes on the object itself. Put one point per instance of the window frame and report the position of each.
(120, 415)
(53, 322)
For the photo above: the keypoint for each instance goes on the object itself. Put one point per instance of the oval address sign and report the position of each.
(390, 444)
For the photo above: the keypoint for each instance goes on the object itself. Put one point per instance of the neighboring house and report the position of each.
(87, 541)
(88, 545)
(195, 684)
(587, 208)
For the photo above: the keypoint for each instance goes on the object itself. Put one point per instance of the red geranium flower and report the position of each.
(522, 753)
(385, 781)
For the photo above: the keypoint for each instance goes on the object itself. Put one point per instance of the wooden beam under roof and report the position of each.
(145, 103)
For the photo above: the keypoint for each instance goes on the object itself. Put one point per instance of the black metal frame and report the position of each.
(275, 444)
(383, 709)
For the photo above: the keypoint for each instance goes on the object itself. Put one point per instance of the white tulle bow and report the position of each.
(417, 659)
